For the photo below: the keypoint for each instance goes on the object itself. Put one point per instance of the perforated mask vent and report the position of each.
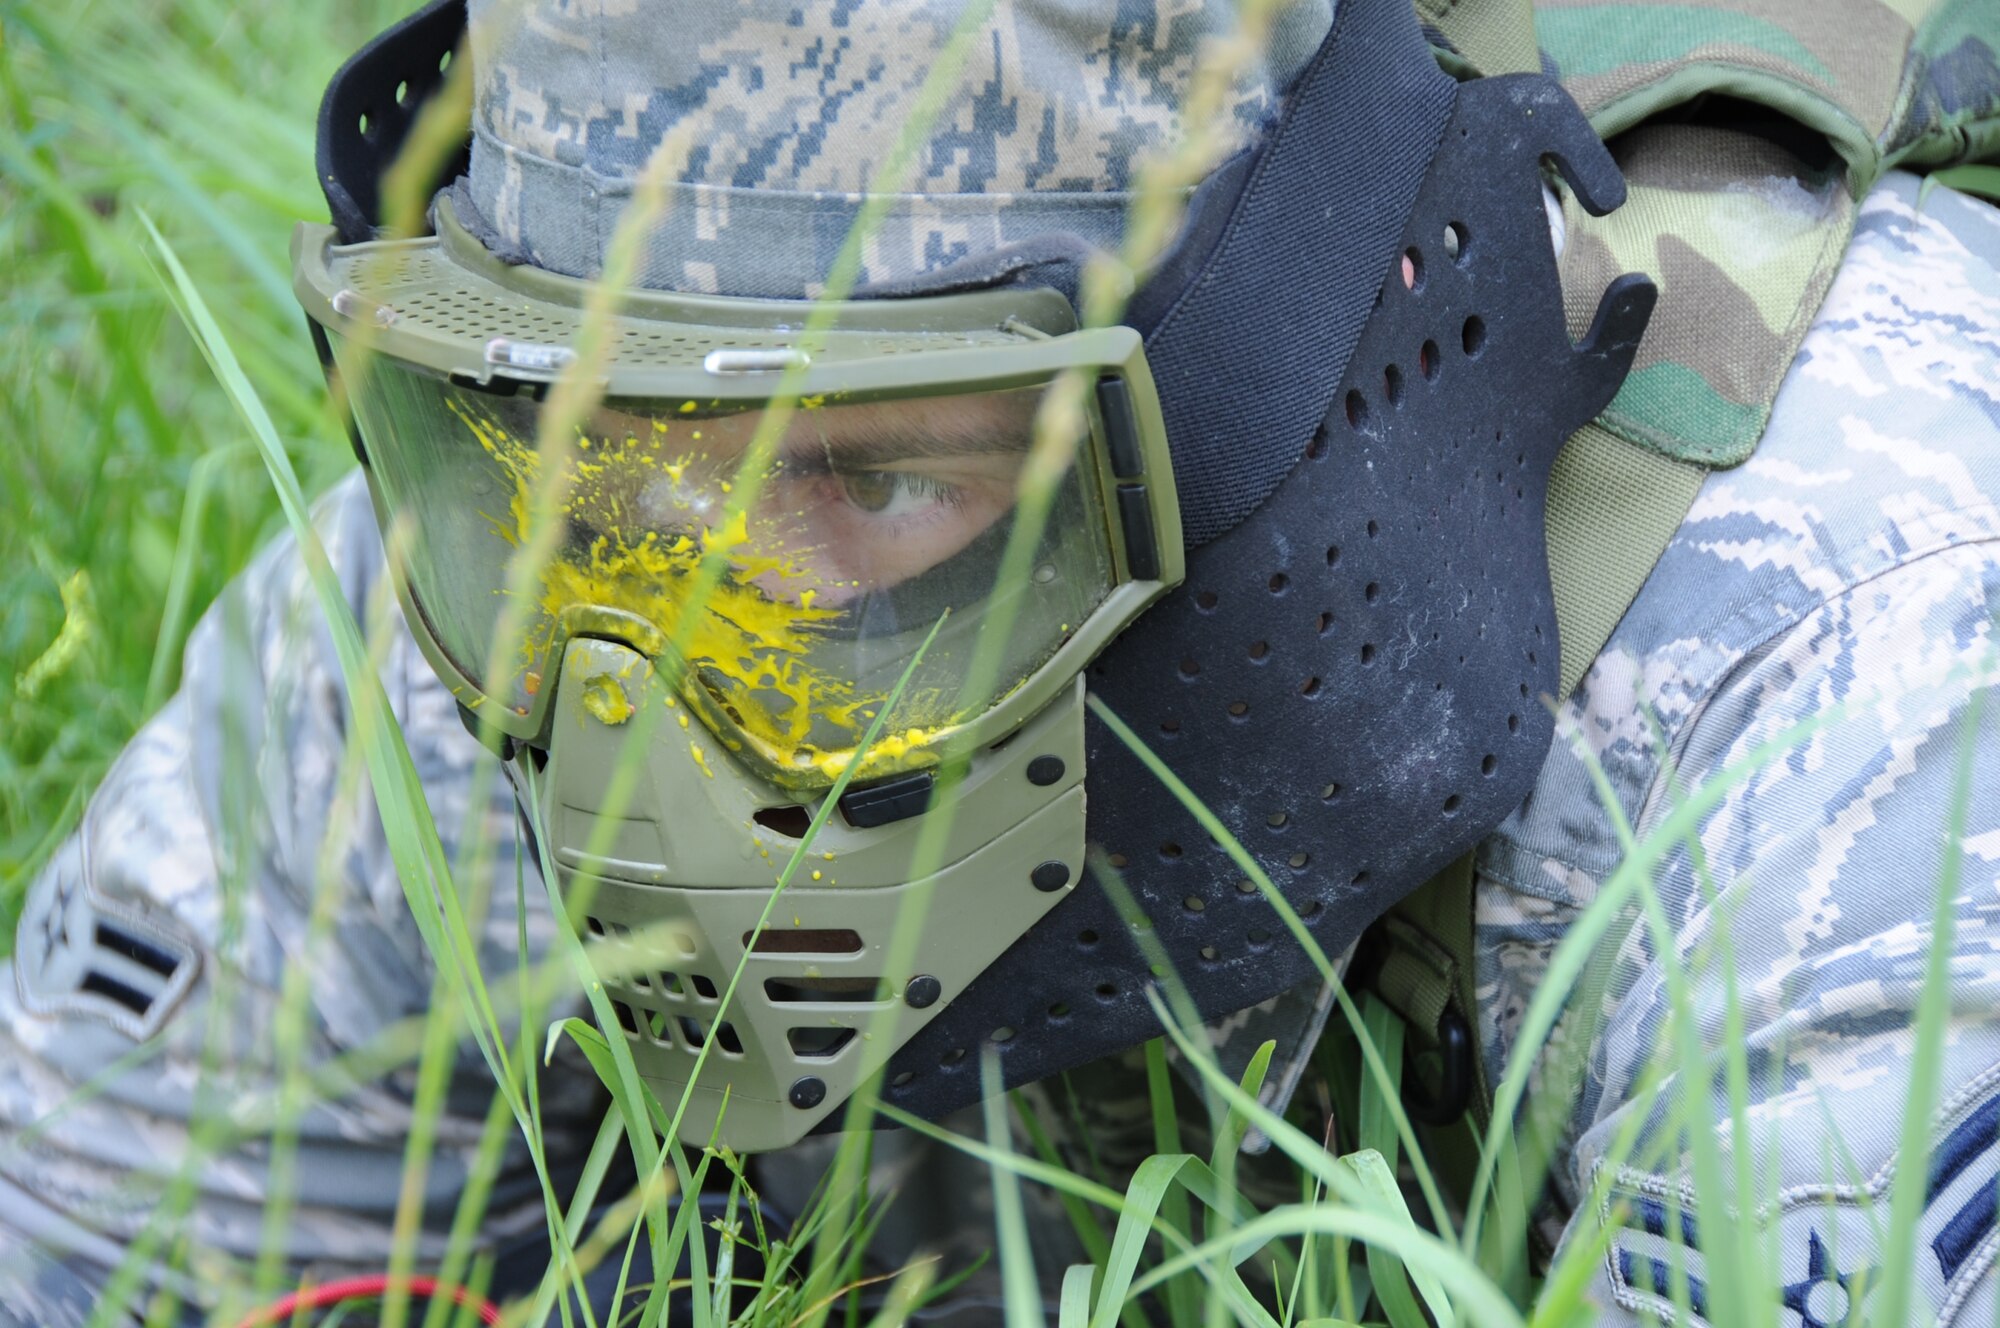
(1356, 679)
(428, 292)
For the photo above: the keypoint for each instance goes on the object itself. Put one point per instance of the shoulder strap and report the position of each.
(1494, 36)
(1613, 506)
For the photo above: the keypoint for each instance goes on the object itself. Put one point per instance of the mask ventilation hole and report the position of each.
(805, 991)
(1357, 411)
(804, 941)
(693, 1033)
(790, 821)
(1454, 242)
(1473, 336)
(818, 1043)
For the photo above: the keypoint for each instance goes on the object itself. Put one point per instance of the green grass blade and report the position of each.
(1010, 1224)
(1909, 1188)
(1073, 1310)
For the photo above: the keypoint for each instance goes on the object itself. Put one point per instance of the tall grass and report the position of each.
(168, 420)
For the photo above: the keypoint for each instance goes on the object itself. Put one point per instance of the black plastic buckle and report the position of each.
(1454, 1090)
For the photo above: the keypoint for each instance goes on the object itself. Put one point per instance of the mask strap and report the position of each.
(363, 122)
(1267, 293)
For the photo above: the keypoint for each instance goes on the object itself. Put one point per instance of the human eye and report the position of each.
(896, 494)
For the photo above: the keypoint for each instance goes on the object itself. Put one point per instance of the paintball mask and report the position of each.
(842, 572)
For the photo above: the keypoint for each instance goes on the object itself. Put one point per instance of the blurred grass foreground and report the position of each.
(131, 493)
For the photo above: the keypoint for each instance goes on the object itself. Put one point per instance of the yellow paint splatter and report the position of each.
(700, 758)
(815, 875)
(732, 534)
(750, 649)
(604, 698)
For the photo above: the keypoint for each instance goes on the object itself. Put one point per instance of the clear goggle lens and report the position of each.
(835, 535)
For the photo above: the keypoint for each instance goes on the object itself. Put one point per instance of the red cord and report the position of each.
(374, 1287)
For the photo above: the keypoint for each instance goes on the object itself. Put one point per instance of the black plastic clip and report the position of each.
(1454, 1091)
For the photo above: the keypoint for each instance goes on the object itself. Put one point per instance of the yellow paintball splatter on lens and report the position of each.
(634, 540)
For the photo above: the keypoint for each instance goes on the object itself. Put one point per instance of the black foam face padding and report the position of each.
(1354, 679)
(1298, 247)
(368, 110)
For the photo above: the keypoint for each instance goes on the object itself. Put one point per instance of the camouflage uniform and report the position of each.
(1850, 569)
(1852, 560)
(783, 125)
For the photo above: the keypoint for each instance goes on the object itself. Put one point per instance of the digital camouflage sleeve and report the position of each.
(1849, 574)
(146, 984)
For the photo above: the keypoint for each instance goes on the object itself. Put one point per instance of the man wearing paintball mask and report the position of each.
(1081, 618)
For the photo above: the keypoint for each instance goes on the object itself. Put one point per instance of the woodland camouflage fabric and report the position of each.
(1742, 228)
(1742, 238)
(1875, 77)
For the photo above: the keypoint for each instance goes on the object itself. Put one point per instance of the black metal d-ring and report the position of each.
(1454, 1091)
